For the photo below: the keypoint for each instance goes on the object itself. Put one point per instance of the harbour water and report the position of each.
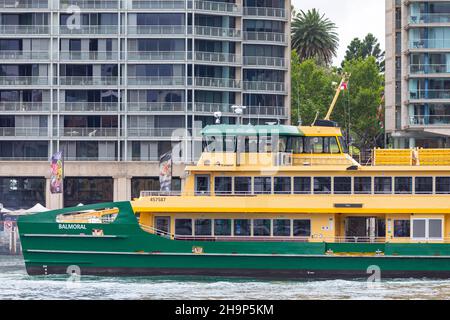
(16, 284)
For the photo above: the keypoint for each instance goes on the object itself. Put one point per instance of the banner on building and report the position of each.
(56, 176)
(165, 172)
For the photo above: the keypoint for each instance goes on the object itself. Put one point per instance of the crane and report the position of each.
(345, 79)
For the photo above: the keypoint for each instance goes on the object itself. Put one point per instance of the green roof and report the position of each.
(249, 130)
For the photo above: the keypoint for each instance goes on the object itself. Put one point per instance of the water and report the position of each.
(16, 284)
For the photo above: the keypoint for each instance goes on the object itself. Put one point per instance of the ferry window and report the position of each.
(434, 228)
(202, 185)
(222, 185)
(229, 144)
(282, 185)
(222, 227)
(242, 227)
(419, 228)
(203, 227)
(313, 145)
(443, 185)
(342, 185)
(261, 227)
(247, 144)
(383, 185)
(242, 185)
(282, 228)
(343, 144)
(430, 229)
(183, 227)
(263, 185)
(322, 185)
(424, 185)
(295, 145)
(402, 228)
(302, 228)
(213, 144)
(362, 185)
(334, 147)
(280, 143)
(403, 185)
(265, 144)
(302, 185)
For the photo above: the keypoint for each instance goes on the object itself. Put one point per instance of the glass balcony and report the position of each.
(24, 132)
(156, 81)
(88, 132)
(156, 55)
(266, 111)
(215, 57)
(23, 4)
(91, 4)
(265, 61)
(429, 94)
(216, 82)
(155, 4)
(157, 30)
(88, 81)
(429, 44)
(429, 68)
(23, 29)
(264, 86)
(17, 106)
(88, 29)
(430, 120)
(205, 107)
(265, 36)
(430, 18)
(24, 55)
(156, 106)
(265, 12)
(23, 81)
(216, 32)
(88, 56)
(152, 132)
(88, 106)
(214, 6)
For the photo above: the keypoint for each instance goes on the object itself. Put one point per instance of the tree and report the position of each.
(314, 37)
(365, 48)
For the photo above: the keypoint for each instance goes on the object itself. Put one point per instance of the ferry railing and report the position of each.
(9, 238)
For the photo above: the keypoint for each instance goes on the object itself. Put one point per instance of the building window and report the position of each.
(183, 227)
(22, 193)
(203, 227)
(403, 185)
(322, 185)
(139, 184)
(282, 185)
(222, 185)
(242, 227)
(424, 185)
(363, 185)
(383, 185)
(222, 227)
(302, 228)
(302, 185)
(402, 228)
(443, 185)
(243, 185)
(282, 228)
(87, 190)
(342, 185)
(263, 185)
(261, 227)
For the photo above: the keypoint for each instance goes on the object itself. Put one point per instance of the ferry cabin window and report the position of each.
(402, 228)
(343, 144)
(247, 144)
(314, 145)
(302, 228)
(203, 227)
(443, 185)
(282, 185)
(242, 185)
(424, 185)
(183, 227)
(322, 185)
(261, 227)
(282, 228)
(222, 227)
(383, 185)
(265, 144)
(342, 185)
(362, 185)
(430, 229)
(242, 227)
(202, 185)
(263, 185)
(295, 145)
(403, 185)
(302, 185)
(222, 185)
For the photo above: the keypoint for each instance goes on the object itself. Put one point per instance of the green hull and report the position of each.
(126, 249)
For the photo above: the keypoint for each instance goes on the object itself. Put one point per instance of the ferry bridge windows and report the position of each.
(402, 228)
(243, 185)
(222, 227)
(203, 227)
(263, 185)
(242, 227)
(383, 185)
(223, 185)
(302, 228)
(183, 227)
(424, 185)
(403, 185)
(302, 185)
(443, 185)
(322, 185)
(282, 228)
(202, 183)
(282, 185)
(261, 227)
(342, 185)
(362, 185)
(427, 229)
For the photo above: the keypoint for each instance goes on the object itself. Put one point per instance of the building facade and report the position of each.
(418, 73)
(114, 84)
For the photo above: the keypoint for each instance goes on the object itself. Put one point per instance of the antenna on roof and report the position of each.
(239, 111)
(217, 115)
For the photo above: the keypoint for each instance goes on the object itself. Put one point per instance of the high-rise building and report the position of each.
(418, 73)
(112, 84)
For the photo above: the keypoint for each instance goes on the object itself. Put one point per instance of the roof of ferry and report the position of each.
(264, 130)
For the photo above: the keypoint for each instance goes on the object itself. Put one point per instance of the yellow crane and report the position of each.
(345, 79)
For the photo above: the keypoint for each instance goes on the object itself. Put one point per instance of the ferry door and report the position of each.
(361, 229)
(162, 226)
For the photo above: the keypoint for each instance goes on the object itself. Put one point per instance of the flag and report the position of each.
(165, 172)
(56, 174)
(344, 86)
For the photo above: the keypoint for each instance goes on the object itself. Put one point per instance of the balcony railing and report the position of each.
(90, 55)
(88, 29)
(24, 55)
(430, 18)
(18, 106)
(156, 55)
(23, 80)
(156, 81)
(158, 4)
(429, 94)
(429, 43)
(205, 107)
(89, 132)
(156, 106)
(91, 4)
(23, 29)
(215, 32)
(24, 4)
(265, 12)
(23, 132)
(88, 81)
(265, 61)
(266, 111)
(89, 106)
(264, 86)
(152, 132)
(216, 82)
(216, 6)
(216, 57)
(435, 120)
(429, 68)
(265, 36)
(157, 30)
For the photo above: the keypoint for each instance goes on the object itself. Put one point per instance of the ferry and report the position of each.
(267, 201)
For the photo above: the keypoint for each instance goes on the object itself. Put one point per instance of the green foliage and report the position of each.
(365, 48)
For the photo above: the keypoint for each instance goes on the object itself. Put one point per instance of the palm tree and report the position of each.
(314, 36)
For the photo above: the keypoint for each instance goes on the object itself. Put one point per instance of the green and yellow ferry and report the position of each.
(267, 201)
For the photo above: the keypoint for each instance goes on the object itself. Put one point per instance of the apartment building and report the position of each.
(116, 83)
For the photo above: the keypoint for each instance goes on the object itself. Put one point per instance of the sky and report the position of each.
(354, 19)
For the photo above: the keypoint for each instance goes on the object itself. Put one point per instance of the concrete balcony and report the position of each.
(431, 120)
(81, 107)
(265, 37)
(216, 57)
(24, 55)
(157, 4)
(157, 30)
(18, 106)
(24, 132)
(89, 56)
(29, 4)
(217, 7)
(219, 83)
(154, 132)
(88, 81)
(156, 81)
(265, 86)
(156, 56)
(24, 81)
(87, 132)
(14, 31)
(91, 4)
(272, 62)
(156, 106)
(215, 32)
(88, 30)
(262, 12)
(426, 69)
(430, 95)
